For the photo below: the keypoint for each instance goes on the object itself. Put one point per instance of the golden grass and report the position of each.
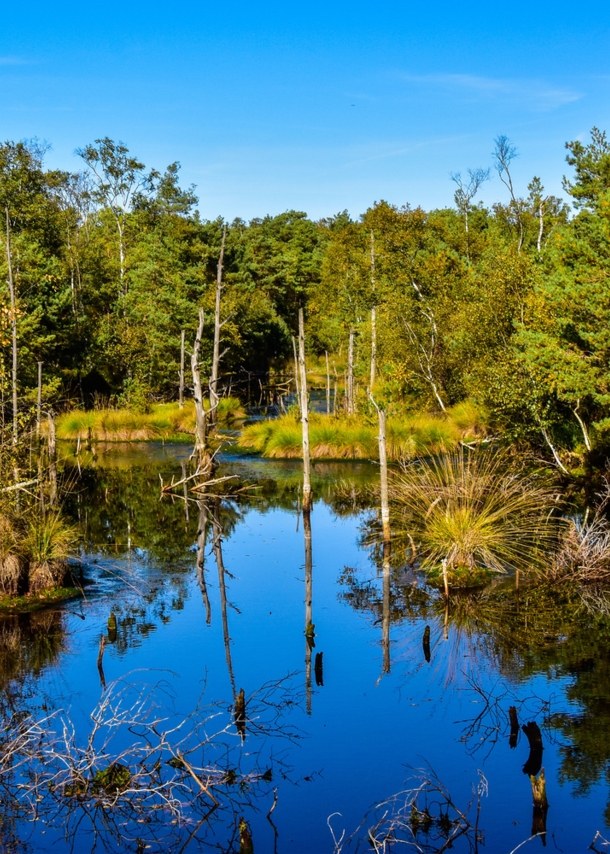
(475, 511)
(164, 421)
(340, 437)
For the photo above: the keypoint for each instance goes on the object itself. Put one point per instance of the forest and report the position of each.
(502, 309)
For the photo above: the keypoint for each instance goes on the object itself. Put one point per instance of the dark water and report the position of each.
(383, 711)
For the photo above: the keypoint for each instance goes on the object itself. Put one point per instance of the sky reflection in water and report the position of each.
(362, 732)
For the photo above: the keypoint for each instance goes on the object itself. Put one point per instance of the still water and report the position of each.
(359, 684)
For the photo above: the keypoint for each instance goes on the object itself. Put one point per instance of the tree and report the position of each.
(118, 179)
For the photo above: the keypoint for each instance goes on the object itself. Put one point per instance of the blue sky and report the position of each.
(317, 106)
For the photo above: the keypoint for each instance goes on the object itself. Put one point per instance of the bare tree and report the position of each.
(504, 153)
(216, 354)
(200, 451)
(304, 401)
(466, 192)
(118, 177)
(13, 298)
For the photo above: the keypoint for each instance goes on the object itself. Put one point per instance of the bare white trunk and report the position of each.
(350, 374)
(540, 228)
(307, 495)
(217, 327)
(39, 402)
(11, 288)
(373, 316)
(200, 416)
(181, 392)
(309, 627)
(327, 384)
(583, 426)
(296, 368)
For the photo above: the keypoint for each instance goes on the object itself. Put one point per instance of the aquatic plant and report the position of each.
(475, 513)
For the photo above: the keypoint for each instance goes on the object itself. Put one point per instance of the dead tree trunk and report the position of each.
(373, 316)
(296, 368)
(216, 355)
(201, 538)
(181, 391)
(309, 626)
(11, 288)
(386, 615)
(383, 472)
(52, 458)
(327, 384)
(307, 495)
(350, 374)
(201, 450)
(39, 402)
(217, 546)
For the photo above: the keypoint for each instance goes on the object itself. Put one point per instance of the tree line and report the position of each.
(507, 305)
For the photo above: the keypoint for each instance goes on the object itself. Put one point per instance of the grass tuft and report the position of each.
(165, 421)
(476, 512)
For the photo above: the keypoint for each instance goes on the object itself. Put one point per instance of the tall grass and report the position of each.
(164, 421)
(476, 512)
(343, 437)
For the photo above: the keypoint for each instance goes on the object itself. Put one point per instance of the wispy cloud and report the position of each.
(534, 93)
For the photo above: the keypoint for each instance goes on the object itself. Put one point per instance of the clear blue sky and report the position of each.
(315, 106)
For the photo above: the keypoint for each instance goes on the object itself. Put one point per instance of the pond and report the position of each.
(263, 684)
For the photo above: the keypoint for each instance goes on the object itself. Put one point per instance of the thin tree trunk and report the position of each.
(350, 374)
(327, 384)
(201, 538)
(373, 316)
(52, 458)
(39, 402)
(181, 392)
(307, 496)
(217, 327)
(217, 546)
(11, 288)
(296, 368)
(541, 228)
(200, 450)
(383, 472)
(309, 626)
(386, 614)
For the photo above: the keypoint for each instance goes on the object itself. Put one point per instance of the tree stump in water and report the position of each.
(426, 643)
(245, 838)
(319, 670)
(541, 805)
(240, 714)
(514, 727)
(534, 760)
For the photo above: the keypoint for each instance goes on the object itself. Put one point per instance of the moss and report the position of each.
(38, 601)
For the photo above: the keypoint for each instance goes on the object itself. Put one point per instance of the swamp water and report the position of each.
(390, 691)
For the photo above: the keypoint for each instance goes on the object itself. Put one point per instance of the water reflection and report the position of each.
(153, 568)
